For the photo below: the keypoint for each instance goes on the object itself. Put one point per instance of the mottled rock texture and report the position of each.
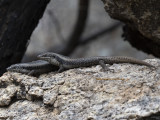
(142, 18)
(130, 92)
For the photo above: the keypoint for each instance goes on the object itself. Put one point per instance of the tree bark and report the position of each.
(17, 22)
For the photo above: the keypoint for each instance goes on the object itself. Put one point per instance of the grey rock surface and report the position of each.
(141, 14)
(141, 18)
(130, 92)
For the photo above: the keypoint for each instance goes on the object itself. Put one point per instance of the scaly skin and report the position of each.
(32, 68)
(67, 63)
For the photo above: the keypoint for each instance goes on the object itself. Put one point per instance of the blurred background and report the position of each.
(58, 22)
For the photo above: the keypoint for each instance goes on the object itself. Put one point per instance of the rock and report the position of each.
(7, 94)
(130, 92)
(142, 22)
(134, 13)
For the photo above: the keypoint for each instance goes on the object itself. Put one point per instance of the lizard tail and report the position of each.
(121, 59)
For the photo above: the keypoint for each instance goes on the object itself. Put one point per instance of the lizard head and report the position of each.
(12, 68)
(52, 58)
(16, 68)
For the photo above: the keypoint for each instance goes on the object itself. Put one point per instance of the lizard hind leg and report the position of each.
(105, 67)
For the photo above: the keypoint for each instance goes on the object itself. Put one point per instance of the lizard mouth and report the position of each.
(40, 56)
(43, 57)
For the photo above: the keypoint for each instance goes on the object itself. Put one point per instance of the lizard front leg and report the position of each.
(61, 69)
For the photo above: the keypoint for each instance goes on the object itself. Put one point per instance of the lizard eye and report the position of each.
(53, 56)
